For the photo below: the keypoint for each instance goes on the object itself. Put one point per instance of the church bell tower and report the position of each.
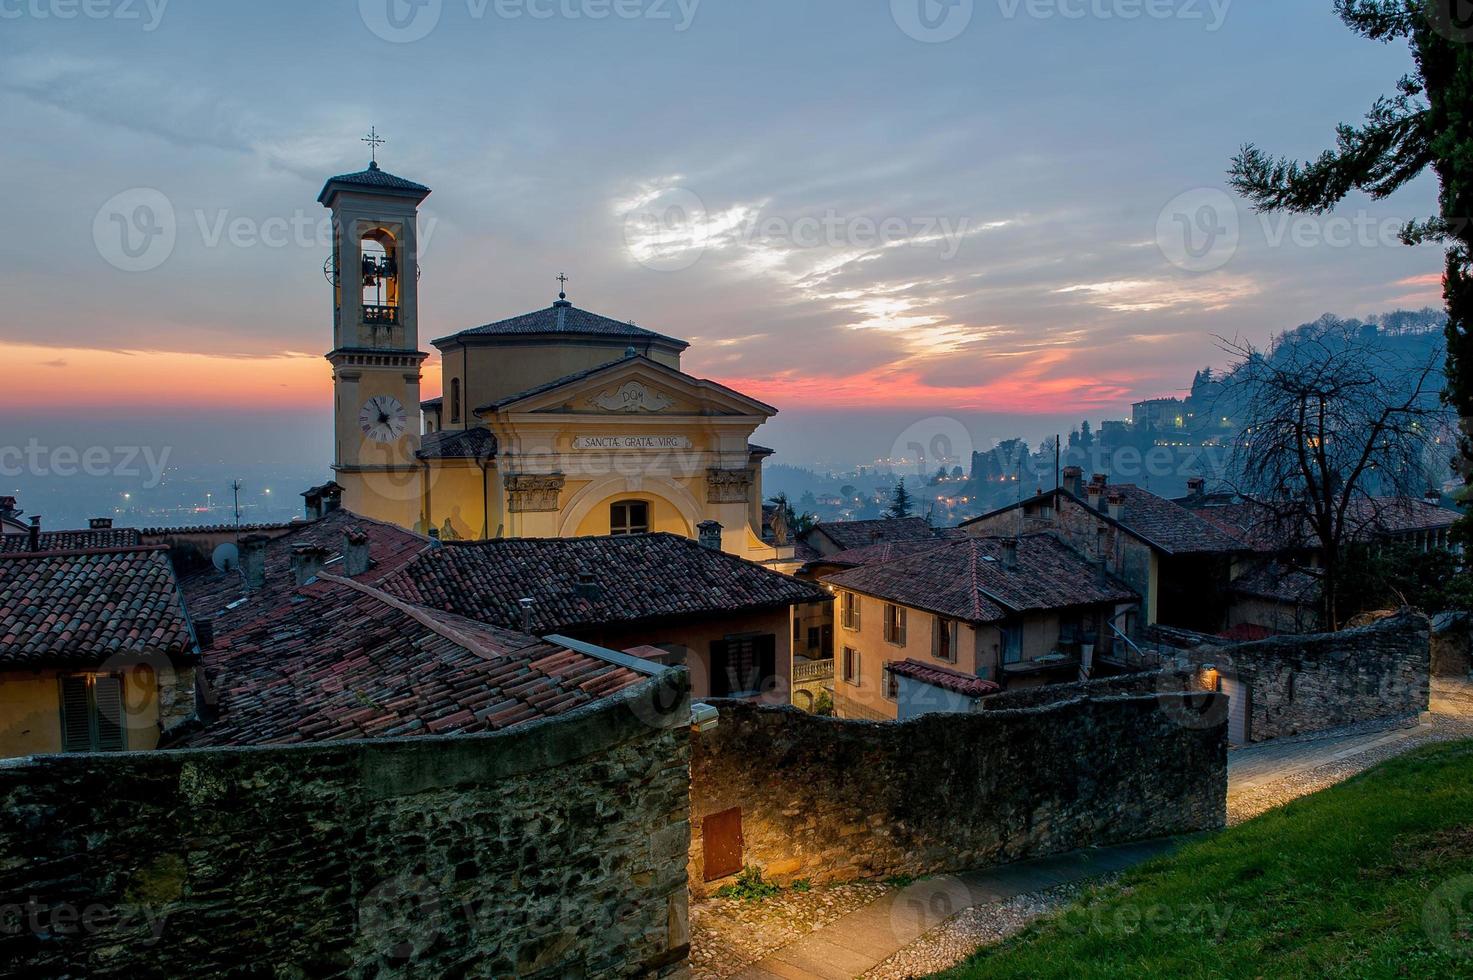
(375, 356)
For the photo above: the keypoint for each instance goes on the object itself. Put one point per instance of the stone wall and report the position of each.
(1296, 684)
(833, 800)
(1452, 638)
(1302, 684)
(553, 849)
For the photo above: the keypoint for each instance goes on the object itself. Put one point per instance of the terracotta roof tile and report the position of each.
(638, 578)
(80, 608)
(972, 581)
(949, 680)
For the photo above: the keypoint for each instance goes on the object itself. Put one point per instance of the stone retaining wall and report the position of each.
(833, 800)
(554, 849)
(1301, 684)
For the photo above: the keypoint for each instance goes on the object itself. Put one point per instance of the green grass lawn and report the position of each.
(1370, 878)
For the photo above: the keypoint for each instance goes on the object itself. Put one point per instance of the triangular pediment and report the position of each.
(633, 387)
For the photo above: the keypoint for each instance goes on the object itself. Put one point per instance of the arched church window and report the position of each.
(629, 517)
(455, 399)
(379, 261)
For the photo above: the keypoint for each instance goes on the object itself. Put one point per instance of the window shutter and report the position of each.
(720, 680)
(76, 727)
(107, 696)
(766, 661)
(900, 625)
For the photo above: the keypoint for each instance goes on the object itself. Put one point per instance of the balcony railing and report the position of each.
(381, 315)
(813, 670)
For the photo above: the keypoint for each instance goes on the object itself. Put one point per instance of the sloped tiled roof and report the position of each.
(1263, 529)
(209, 591)
(860, 534)
(79, 608)
(875, 554)
(101, 538)
(576, 376)
(638, 578)
(971, 581)
(374, 178)
(342, 660)
(1276, 581)
(947, 680)
(1170, 526)
(564, 319)
(476, 443)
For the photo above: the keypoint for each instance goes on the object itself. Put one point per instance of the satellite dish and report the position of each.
(226, 557)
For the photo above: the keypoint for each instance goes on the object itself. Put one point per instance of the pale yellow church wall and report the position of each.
(464, 494)
(30, 712)
(489, 372)
(393, 497)
(664, 515)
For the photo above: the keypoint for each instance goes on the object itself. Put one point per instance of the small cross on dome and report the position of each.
(563, 283)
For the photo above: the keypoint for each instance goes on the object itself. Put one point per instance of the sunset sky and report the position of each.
(888, 227)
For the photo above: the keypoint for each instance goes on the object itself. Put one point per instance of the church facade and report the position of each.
(555, 423)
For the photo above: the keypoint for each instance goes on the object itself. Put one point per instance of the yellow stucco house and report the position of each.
(556, 423)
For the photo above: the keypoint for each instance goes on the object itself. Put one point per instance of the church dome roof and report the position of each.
(563, 319)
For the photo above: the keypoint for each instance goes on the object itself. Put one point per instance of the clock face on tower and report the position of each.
(383, 418)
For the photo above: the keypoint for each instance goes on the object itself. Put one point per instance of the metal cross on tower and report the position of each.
(374, 141)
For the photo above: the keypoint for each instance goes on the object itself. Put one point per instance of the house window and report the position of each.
(92, 713)
(890, 685)
(797, 629)
(849, 610)
(455, 399)
(851, 666)
(895, 624)
(629, 517)
(1012, 644)
(813, 637)
(945, 640)
(743, 665)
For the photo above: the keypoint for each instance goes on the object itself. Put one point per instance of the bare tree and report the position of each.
(1337, 428)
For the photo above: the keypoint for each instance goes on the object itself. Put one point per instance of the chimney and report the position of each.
(356, 557)
(587, 586)
(1197, 486)
(8, 508)
(307, 561)
(101, 523)
(710, 534)
(1096, 494)
(1010, 553)
(253, 560)
(1073, 477)
(332, 498)
(204, 633)
(527, 605)
(1433, 496)
(34, 544)
(1117, 505)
